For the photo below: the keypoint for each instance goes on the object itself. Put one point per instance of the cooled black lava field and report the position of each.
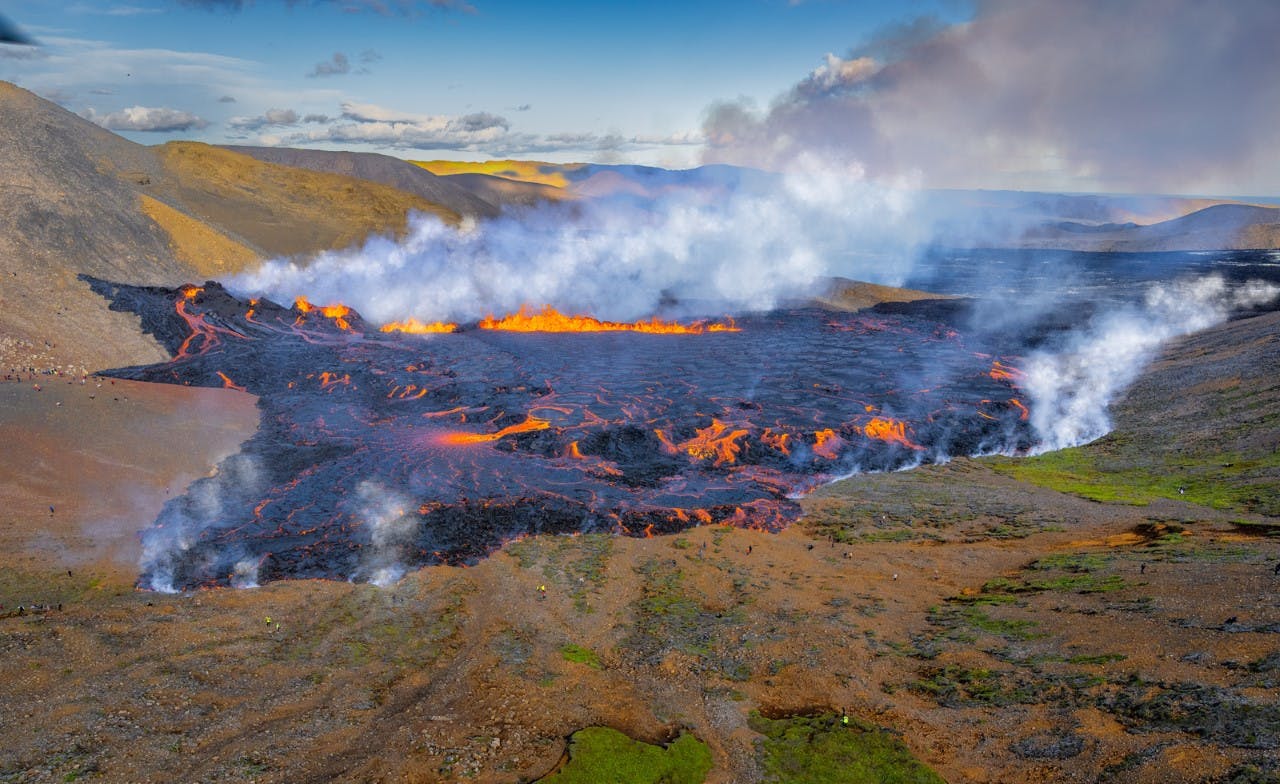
(378, 452)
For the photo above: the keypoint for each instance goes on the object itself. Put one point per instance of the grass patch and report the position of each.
(822, 750)
(1072, 562)
(1106, 472)
(671, 617)
(954, 686)
(576, 563)
(580, 655)
(972, 617)
(45, 589)
(1080, 583)
(601, 754)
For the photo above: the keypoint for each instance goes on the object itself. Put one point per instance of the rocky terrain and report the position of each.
(1031, 620)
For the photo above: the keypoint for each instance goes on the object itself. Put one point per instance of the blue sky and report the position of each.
(619, 81)
(1173, 96)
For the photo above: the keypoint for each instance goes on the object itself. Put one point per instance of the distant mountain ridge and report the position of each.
(1217, 227)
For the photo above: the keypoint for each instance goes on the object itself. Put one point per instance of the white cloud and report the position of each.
(147, 118)
(271, 117)
(479, 132)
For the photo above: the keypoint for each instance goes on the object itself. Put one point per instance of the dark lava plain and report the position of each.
(379, 452)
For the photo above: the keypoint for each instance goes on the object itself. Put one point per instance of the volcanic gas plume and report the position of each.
(380, 450)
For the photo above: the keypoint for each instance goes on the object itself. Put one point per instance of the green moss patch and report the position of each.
(823, 750)
(601, 754)
(580, 655)
(1104, 472)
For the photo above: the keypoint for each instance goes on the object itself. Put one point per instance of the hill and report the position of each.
(80, 199)
(1216, 227)
(384, 169)
(280, 210)
(69, 206)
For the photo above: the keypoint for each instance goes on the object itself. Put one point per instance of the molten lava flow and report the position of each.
(228, 383)
(715, 442)
(779, 441)
(1002, 372)
(337, 312)
(529, 424)
(1022, 408)
(411, 326)
(330, 380)
(827, 444)
(483, 438)
(890, 430)
(551, 320)
(200, 326)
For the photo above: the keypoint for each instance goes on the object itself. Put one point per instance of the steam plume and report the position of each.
(618, 258)
(1072, 387)
(184, 518)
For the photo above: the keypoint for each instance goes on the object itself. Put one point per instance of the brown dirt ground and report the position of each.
(459, 673)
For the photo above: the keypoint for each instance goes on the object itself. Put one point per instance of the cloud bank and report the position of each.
(1140, 96)
(479, 132)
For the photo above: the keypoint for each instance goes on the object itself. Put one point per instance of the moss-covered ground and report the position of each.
(600, 754)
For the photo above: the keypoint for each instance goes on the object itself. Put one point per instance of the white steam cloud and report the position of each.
(181, 522)
(1071, 389)
(726, 250)
(391, 527)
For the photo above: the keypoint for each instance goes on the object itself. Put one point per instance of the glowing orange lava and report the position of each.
(827, 444)
(779, 441)
(714, 442)
(330, 380)
(461, 439)
(891, 430)
(1018, 404)
(411, 326)
(551, 320)
(228, 383)
(337, 312)
(1002, 372)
